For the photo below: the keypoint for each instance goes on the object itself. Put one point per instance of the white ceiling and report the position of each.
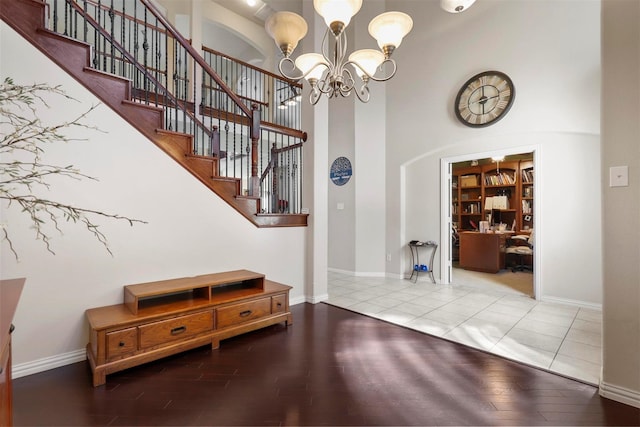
(262, 9)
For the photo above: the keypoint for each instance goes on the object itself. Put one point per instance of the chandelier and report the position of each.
(331, 72)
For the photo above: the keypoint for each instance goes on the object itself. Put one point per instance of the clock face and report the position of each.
(484, 99)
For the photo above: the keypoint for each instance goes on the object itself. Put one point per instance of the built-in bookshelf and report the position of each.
(526, 189)
(469, 198)
(500, 192)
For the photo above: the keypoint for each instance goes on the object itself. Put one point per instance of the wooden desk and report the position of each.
(483, 251)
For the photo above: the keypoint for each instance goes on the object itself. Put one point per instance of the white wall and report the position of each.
(356, 232)
(621, 207)
(370, 152)
(190, 230)
(551, 51)
(342, 256)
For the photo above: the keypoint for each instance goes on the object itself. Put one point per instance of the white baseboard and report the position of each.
(297, 300)
(620, 394)
(317, 299)
(337, 270)
(357, 273)
(46, 363)
(572, 302)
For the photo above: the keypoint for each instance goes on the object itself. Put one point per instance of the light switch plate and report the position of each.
(619, 176)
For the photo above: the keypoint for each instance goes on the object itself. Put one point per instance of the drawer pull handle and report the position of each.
(121, 344)
(245, 313)
(279, 304)
(178, 330)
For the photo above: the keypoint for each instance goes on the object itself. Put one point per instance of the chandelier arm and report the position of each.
(377, 79)
(348, 83)
(325, 48)
(314, 95)
(292, 65)
(325, 87)
(341, 52)
(299, 76)
(363, 93)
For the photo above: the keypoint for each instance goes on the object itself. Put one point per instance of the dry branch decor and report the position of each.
(23, 140)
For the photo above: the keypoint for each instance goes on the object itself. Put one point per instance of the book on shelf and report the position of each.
(503, 178)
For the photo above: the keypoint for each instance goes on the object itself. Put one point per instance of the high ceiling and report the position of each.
(242, 8)
(261, 10)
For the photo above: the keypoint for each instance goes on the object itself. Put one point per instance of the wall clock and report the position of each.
(484, 99)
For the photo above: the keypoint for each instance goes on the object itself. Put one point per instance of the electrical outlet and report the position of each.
(388, 257)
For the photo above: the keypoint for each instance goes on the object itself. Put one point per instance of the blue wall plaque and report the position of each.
(341, 171)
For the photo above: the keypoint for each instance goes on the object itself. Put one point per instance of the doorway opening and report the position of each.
(488, 221)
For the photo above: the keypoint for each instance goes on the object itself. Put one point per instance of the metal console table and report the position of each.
(416, 267)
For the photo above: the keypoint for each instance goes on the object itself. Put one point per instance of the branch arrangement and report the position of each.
(23, 138)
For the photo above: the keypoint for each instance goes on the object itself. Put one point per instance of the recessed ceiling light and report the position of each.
(252, 3)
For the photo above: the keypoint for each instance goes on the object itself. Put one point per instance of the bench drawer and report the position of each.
(120, 343)
(167, 331)
(278, 304)
(239, 313)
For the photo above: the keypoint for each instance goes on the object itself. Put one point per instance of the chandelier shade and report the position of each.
(389, 29)
(331, 72)
(456, 6)
(366, 61)
(337, 13)
(312, 65)
(286, 29)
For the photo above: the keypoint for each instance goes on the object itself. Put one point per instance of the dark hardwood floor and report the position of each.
(331, 367)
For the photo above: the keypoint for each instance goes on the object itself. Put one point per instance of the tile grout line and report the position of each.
(564, 337)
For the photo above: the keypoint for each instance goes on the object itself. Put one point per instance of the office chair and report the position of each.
(455, 244)
(521, 246)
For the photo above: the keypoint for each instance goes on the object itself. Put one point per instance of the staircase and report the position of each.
(172, 121)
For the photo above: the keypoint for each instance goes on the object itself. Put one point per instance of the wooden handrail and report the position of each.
(253, 67)
(126, 16)
(196, 57)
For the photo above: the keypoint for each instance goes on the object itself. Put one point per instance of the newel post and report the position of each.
(255, 137)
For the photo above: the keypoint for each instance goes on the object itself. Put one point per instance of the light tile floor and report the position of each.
(559, 338)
